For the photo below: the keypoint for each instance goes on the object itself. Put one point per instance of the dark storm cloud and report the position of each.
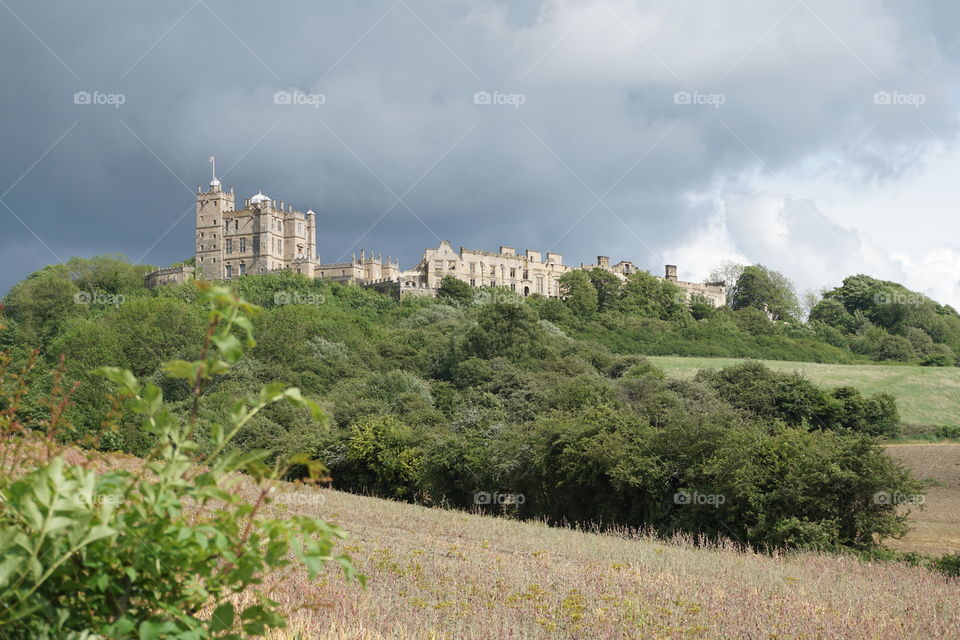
(627, 108)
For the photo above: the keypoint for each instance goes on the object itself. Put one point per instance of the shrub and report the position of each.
(120, 554)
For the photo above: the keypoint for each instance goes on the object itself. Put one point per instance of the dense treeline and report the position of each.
(536, 407)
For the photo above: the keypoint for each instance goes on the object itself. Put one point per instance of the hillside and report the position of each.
(442, 574)
(935, 529)
(925, 395)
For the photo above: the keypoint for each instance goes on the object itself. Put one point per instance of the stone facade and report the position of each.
(170, 275)
(529, 273)
(261, 237)
(365, 270)
(266, 236)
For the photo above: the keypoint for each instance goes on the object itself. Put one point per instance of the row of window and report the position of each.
(452, 266)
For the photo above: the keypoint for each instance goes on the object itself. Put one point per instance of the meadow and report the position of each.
(935, 529)
(447, 574)
(926, 396)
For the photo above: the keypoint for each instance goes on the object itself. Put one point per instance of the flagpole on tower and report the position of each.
(213, 168)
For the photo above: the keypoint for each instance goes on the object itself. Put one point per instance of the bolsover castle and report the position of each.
(265, 235)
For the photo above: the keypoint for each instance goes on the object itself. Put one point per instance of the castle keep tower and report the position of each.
(261, 237)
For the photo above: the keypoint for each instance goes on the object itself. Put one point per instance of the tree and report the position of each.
(727, 272)
(456, 290)
(651, 297)
(831, 312)
(762, 288)
(607, 286)
(579, 293)
(510, 331)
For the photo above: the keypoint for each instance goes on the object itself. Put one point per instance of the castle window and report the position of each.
(243, 245)
(526, 274)
(229, 245)
(229, 271)
(299, 227)
(243, 269)
(226, 226)
(473, 282)
(256, 244)
(513, 273)
(513, 287)
(236, 223)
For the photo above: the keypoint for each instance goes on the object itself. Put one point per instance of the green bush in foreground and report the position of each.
(161, 553)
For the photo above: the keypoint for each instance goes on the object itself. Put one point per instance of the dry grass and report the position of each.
(936, 528)
(925, 395)
(443, 574)
(447, 574)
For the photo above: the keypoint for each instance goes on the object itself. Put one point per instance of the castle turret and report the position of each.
(211, 206)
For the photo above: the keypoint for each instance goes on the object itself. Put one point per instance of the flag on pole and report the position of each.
(211, 159)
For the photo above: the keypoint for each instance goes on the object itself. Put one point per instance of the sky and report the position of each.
(818, 138)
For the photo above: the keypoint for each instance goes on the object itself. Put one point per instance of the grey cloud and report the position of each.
(598, 81)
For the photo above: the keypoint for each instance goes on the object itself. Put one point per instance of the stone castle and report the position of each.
(266, 236)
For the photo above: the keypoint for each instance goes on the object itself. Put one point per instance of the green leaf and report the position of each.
(180, 369)
(223, 618)
(229, 347)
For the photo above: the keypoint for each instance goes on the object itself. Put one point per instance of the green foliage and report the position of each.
(607, 286)
(162, 552)
(455, 290)
(761, 288)
(578, 292)
(505, 330)
(650, 297)
(434, 400)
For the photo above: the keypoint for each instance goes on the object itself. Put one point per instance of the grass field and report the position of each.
(445, 574)
(925, 395)
(936, 527)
